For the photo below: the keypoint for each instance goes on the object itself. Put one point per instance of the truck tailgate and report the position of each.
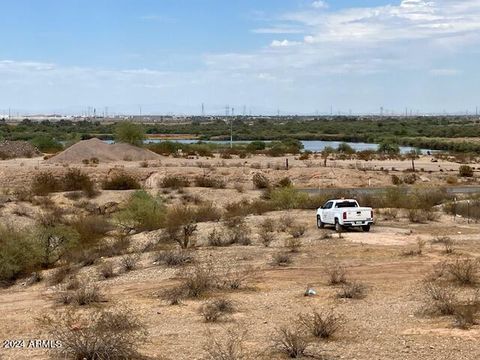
(359, 214)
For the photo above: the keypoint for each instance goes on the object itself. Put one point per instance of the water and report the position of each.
(310, 145)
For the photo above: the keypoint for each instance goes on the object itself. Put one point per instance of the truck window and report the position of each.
(346, 204)
(328, 205)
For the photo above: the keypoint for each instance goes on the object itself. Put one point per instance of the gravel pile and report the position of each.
(17, 149)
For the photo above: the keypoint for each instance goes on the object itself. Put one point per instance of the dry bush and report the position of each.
(180, 225)
(238, 232)
(416, 251)
(268, 225)
(230, 347)
(199, 280)
(465, 171)
(293, 244)
(282, 259)
(291, 342)
(215, 310)
(297, 230)
(129, 262)
(466, 314)
(260, 181)
(174, 182)
(209, 182)
(352, 290)
(114, 334)
(85, 294)
(174, 257)
(337, 274)
(121, 181)
(175, 295)
(464, 271)
(106, 270)
(322, 324)
(447, 242)
(266, 237)
(91, 229)
(44, 183)
(59, 275)
(239, 188)
(286, 222)
(218, 238)
(76, 180)
(207, 212)
(234, 278)
(439, 299)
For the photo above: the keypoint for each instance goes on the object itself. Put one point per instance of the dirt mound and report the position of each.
(17, 149)
(97, 149)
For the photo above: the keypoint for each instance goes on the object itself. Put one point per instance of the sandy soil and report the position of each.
(387, 324)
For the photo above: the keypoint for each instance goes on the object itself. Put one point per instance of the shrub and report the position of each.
(174, 258)
(297, 230)
(129, 262)
(266, 237)
(282, 259)
(44, 183)
(464, 271)
(106, 270)
(230, 348)
(100, 334)
(293, 244)
(291, 342)
(260, 181)
(91, 229)
(218, 238)
(180, 225)
(129, 132)
(396, 180)
(215, 310)
(440, 299)
(46, 144)
(19, 254)
(59, 275)
(268, 225)
(174, 182)
(321, 325)
(465, 315)
(465, 171)
(288, 198)
(234, 278)
(285, 182)
(209, 182)
(198, 281)
(417, 251)
(84, 294)
(207, 212)
(121, 181)
(143, 212)
(175, 295)
(75, 180)
(337, 274)
(352, 290)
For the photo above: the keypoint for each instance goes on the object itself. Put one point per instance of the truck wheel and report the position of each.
(338, 227)
(320, 223)
(366, 228)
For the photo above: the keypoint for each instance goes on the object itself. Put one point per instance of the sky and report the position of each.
(256, 56)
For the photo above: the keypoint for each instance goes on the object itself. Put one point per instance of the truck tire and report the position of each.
(320, 223)
(338, 227)
(366, 228)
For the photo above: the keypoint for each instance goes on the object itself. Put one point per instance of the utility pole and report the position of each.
(231, 133)
(203, 109)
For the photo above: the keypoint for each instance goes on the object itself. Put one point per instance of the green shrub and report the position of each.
(19, 254)
(288, 198)
(143, 212)
(181, 226)
(209, 182)
(46, 144)
(121, 181)
(130, 133)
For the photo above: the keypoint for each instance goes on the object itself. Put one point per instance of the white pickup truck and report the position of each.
(344, 213)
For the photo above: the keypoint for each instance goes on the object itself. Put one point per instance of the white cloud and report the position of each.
(319, 4)
(283, 43)
(445, 72)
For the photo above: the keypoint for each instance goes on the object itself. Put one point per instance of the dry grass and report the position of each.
(464, 271)
(291, 342)
(337, 274)
(322, 324)
(352, 290)
(229, 347)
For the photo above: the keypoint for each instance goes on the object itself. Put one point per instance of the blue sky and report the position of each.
(296, 56)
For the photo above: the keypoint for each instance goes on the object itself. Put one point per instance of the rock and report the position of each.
(310, 292)
(424, 179)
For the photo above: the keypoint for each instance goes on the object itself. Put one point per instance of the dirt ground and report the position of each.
(387, 324)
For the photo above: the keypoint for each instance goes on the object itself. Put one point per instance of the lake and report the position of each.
(310, 145)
